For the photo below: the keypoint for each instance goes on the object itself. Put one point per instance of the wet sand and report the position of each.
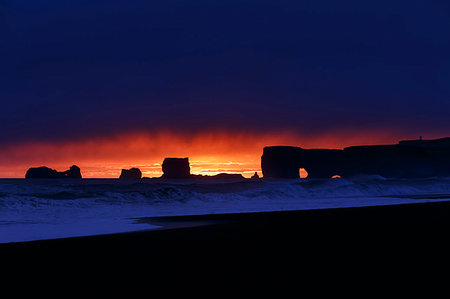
(323, 245)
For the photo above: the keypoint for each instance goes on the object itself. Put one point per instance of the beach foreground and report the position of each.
(328, 244)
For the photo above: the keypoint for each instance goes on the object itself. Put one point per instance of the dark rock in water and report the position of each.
(176, 168)
(407, 159)
(255, 176)
(73, 173)
(220, 176)
(132, 173)
(42, 173)
(227, 176)
(48, 173)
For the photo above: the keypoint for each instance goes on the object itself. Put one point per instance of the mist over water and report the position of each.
(47, 209)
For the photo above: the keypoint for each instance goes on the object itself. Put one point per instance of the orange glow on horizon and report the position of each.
(209, 152)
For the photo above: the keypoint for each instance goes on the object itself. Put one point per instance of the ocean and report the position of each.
(49, 209)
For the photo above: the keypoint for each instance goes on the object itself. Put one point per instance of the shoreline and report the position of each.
(293, 217)
(170, 222)
(164, 223)
(324, 245)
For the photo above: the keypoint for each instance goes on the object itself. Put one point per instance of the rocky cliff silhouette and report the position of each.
(132, 173)
(407, 159)
(48, 173)
(178, 168)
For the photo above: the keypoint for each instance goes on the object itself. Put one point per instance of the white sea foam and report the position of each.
(45, 209)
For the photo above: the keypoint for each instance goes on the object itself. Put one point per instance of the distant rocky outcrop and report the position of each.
(407, 159)
(255, 176)
(48, 173)
(176, 168)
(228, 176)
(73, 173)
(132, 173)
(220, 176)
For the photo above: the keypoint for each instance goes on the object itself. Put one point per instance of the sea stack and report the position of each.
(44, 172)
(132, 173)
(176, 168)
(73, 173)
(255, 176)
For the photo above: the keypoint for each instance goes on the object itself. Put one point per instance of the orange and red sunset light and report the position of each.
(110, 85)
(209, 153)
(229, 136)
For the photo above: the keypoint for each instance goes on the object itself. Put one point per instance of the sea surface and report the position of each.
(48, 209)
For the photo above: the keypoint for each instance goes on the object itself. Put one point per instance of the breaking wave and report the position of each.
(100, 206)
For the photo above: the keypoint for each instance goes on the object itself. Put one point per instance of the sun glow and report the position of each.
(303, 173)
(209, 153)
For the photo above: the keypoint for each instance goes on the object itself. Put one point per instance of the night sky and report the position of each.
(73, 72)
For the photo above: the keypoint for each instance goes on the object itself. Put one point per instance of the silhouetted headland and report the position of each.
(132, 173)
(407, 159)
(48, 173)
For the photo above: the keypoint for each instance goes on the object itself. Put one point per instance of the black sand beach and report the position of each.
(387, 242)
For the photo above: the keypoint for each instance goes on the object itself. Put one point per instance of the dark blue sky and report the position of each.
(85, 68)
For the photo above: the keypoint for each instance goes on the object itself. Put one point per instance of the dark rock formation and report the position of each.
(227, 176)
(176, 168)
(407, 159)
(42, 173)
(255, 176)
(220, 176)
(73, 173)
(48, 173)
(132, 173)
